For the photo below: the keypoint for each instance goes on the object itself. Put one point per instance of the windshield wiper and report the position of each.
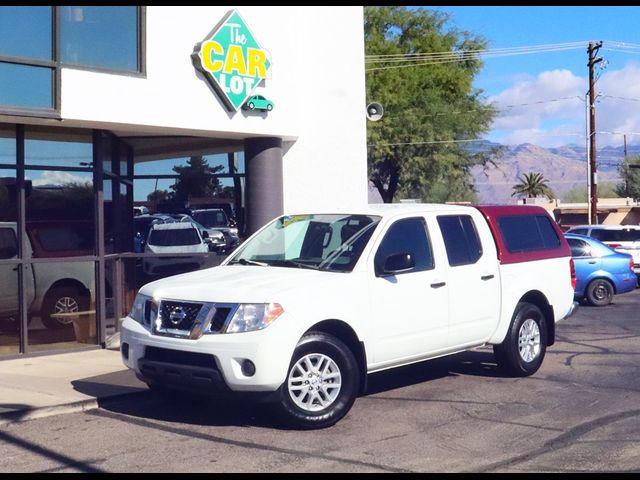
(244, 261)
(291, 263)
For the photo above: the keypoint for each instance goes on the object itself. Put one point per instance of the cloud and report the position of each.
(549, 109)
(59, 178)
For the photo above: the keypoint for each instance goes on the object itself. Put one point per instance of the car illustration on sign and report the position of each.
(258, 102)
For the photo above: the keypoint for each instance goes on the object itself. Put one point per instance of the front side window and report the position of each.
(320, 242)
(408, 235)
(460, 239)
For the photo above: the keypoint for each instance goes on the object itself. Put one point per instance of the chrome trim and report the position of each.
(202, 323)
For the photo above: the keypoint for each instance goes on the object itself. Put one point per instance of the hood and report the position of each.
(238, 283)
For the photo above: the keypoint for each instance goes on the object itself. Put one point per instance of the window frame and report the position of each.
(478, 242)
(56, 65)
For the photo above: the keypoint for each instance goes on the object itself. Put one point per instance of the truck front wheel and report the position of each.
(523, 349)
(62, 300)
(322, 382)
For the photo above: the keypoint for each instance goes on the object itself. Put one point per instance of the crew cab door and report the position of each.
(473, 278)
(409, 308)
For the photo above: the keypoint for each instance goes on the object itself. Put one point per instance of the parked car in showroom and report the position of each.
(176, 237)
(622, 238)
(601, 271)
(214, 239)
(141, 227)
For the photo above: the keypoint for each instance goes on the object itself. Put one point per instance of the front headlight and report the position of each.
(233, 232)
(143, 309)
(254, 316)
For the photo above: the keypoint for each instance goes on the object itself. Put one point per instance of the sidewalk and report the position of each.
(42, 386)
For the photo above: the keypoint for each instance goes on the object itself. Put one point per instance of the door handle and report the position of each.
(592, 262)
(438, 284)
(15, 269)
(487, 277)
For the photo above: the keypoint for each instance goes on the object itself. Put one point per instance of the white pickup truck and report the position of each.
(311, 304)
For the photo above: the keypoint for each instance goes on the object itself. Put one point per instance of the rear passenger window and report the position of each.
(408, 235)
(526, 233)
(460, 239)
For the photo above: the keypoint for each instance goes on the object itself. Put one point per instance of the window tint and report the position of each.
(25, 31)
(460, 239)
(579, 231)
(622, 235)
(26, 86)
(100, 36)
(174, 238)
(406, 236)
(525, 233)
(8, 244)
(579, 248)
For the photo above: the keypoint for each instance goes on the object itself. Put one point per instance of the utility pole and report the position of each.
(593, 177)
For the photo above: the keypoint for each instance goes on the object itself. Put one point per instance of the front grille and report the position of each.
(177, 357)
(219, 319)
(179, 315)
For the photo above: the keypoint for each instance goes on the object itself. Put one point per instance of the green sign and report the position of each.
(232, 60)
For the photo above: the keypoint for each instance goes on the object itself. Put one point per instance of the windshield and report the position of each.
(211, 218)
(174, 238)
(321, 242)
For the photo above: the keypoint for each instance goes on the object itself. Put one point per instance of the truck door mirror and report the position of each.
(205, 234)
(398, 263)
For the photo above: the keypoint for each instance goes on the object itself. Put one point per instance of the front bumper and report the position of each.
(211, 363)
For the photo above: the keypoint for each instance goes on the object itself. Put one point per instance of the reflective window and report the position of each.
(525, 233)
(26, 32)
(61, 149)
(579, 248)
(60, 213)
(460, 239)
(406, 236)
(100, 36)
(9, 323)
(8, 144)
(26, 86)
(67, 315)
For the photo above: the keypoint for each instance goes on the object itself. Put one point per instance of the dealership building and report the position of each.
(255, 111)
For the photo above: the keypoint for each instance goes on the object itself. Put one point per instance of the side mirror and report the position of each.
(398, 263)
(205, 234)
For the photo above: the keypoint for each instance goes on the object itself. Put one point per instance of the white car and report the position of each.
(174, 238)
(312, 303)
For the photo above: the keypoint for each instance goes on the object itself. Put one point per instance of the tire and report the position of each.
(528, 326)
(62, 300)
(269, 107)
(600, 292)
(319, 360)
(252, 106)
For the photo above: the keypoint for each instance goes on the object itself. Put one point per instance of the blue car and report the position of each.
(601, 272)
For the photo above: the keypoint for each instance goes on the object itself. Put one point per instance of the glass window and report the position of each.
(8, 145)
(525, 233)
(100, 36)
(9, 318)
(174, 237)
(26, 32)
(8, 196)
(406, 236)
(67, 316)
(68, 148)
(616, 235)
(60, 213)
(26, 86)
(579, 248)
(460, 239)
(579, 231)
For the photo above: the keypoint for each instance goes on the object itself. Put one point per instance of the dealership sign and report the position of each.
(232, 60)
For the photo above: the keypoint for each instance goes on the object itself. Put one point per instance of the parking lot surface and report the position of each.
(579, 413)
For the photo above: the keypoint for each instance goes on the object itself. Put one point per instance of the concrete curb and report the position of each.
(34, 413)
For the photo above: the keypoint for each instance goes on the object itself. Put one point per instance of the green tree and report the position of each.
(158, 196)
(196, 179)
(532, 185)
(414, 150)
(579, 194)
(630, 185)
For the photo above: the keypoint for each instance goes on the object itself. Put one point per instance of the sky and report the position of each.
(559, 80)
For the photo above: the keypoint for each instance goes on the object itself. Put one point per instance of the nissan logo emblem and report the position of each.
(177, 315)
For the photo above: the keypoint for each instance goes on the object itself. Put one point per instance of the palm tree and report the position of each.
(533, 185)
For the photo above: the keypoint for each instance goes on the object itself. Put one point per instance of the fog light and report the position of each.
(248, 368)
(125, 351)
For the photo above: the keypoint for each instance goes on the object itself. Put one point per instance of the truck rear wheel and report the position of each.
(62, 300)
(523, 349)
(322, 382)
